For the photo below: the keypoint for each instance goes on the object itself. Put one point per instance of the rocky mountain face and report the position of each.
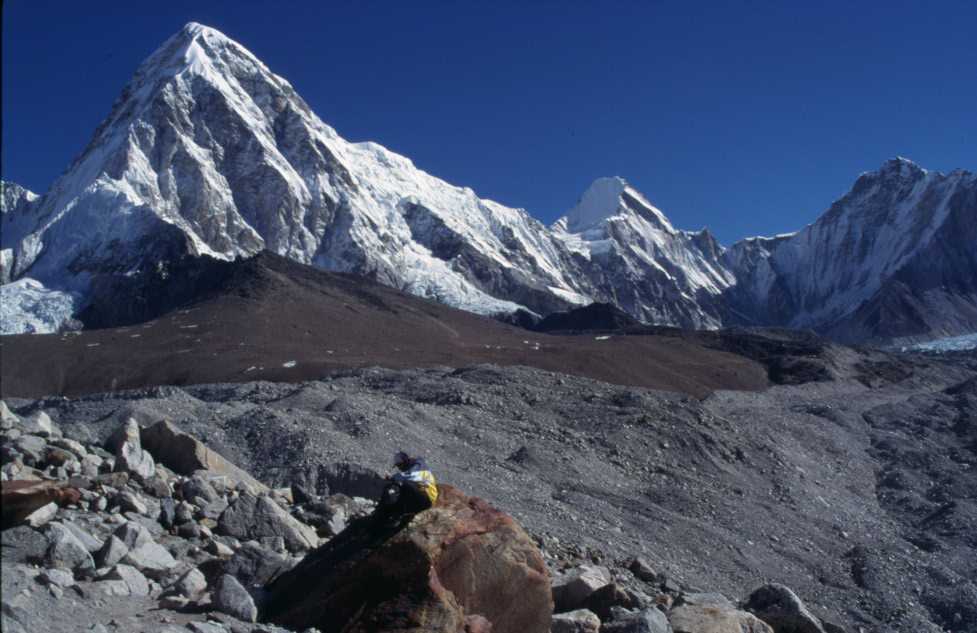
(207, 152)
(892, 259)
(15, 206)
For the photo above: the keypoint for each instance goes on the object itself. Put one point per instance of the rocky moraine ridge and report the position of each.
(631, 510)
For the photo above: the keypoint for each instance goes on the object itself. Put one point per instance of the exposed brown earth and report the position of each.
(269, 318)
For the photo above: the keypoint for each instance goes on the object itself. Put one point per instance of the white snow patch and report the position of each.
(27, 307)
(952, 344)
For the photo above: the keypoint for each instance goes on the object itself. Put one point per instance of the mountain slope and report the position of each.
(633, 257)
(271, 318)
(893, 258)
(16, 204)
(208, 152)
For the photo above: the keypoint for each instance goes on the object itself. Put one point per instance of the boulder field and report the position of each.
(103, 535)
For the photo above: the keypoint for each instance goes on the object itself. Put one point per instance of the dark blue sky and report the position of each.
(746, 117)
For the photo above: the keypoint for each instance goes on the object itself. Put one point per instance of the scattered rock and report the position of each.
(714, 618)
(7, 418)
(113, 587)
(780, 607)
(644, 621)
(185, 454)
(57, 577)
(130, 502)
(254, 565)
(198, 486)
(39, 423)
(233, 599)
(572, 589)
(113, 551)
(579, 621)
(150, 558)
(129, 454)
(611, 595)
(251, 517)
(42, 515)
(134, 580)
(23, 544)
(190, 584)
(642, 570)
(91, 543)
(133, 534)
(66, 551)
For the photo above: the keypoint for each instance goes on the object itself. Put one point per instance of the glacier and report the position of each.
(27, 307)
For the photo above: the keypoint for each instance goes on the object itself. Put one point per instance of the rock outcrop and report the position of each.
(461, 564)
(185, 454)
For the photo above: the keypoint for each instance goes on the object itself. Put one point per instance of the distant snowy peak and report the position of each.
(893, 255)
(635, 258)
(208, 152)
(14, 198)
(607, 199)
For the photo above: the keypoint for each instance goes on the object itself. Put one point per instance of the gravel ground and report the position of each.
(859, 493)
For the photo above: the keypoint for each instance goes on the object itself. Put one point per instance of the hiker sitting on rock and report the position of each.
(411, 490)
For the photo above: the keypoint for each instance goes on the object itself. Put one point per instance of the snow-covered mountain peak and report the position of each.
(600, 201)
(608, 198)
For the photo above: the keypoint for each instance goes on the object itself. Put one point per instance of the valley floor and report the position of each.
(858, 494)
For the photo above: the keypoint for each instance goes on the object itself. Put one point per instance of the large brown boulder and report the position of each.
(460, 566)
(21, 498)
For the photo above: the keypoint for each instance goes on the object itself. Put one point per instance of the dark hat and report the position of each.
(401, 458)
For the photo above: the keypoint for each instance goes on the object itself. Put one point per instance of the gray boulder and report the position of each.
(251, 517)
(198, 486)
(42, 515)
(133, 534)
(129, 454)
(91, 543)
(57, 577)
(132, 577)
(8, 419)
(254, 565)
(150, 558)
(39, 423)
(32, 447)
(23, 544)
(213, 509)
(572, 589)
(113, 551)
(66, 551)
(780, 607)
(642, 569)
(233, 599)
(714, 618)
(191, 584)
(184, 454)
(113, 587)
(644, 621)
(578, 621)
(129, 501)
(76, 448)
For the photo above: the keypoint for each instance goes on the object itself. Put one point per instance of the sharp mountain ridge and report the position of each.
(208, 152)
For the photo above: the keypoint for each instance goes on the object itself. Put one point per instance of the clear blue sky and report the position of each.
(746, 117)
